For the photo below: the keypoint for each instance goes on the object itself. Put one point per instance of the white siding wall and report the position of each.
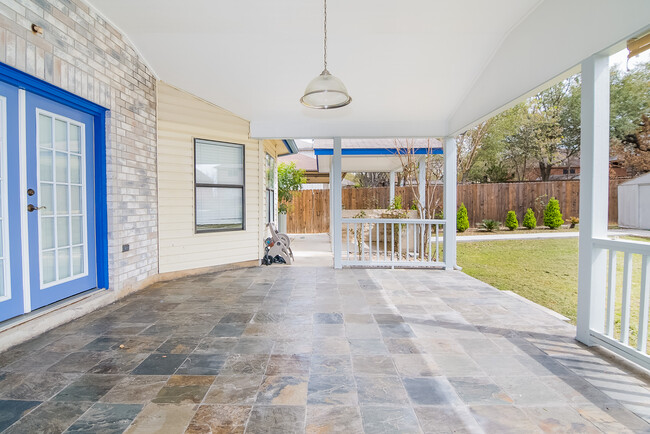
(182, 118)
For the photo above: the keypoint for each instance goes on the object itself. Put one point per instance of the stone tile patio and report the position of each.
(311, 349)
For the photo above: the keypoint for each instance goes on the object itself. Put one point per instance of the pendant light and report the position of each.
(325, 91)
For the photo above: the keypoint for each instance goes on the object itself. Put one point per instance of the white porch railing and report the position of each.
(392, 242)
(634, 300)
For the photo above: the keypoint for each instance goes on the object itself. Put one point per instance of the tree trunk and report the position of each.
(545, 170)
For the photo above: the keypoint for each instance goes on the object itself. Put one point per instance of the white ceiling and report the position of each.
(414, 68)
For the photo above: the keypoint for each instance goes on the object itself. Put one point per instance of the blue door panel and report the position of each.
(13, 306)
(41, 297)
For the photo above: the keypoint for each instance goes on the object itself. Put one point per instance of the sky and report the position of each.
(619, 59)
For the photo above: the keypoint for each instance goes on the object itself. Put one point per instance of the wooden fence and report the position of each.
(311, 212)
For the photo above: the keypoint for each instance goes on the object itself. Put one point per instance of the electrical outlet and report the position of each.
(125, 247)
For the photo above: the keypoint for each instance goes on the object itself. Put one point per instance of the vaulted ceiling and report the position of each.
(414, 68)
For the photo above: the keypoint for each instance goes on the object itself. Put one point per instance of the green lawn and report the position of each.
(544, 271)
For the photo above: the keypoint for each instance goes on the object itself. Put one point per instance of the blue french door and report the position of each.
(60, 200)
(12, 300)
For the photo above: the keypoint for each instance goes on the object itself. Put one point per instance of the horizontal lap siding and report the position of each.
(182, 118)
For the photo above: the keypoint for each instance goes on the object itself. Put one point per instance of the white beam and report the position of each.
(391, 183)
(449, 205)
(337, 203)
(594, 191)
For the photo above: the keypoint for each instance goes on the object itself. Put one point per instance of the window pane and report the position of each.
(47, 233)
(219, 163)
(77, 260)
(46, 199)
(61, 167)
(75, 200)
(63, 231)
(46, 171)
(75, 139)
(75, 169)
(77, 230)
(218, 208)
(49, 266)
(64, 263)
(61, 135)
(62, 199)
(45, 131)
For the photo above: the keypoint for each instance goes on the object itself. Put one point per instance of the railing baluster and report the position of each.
(399, 238)
(642, 338)
(437, 243)
(370, 242)
(429, 241)
(627, 292)
(347, 233)
(363, 246)
(378, 250)
(356, 243)
(611, 294)
(422, 233)
(392, 242)
(408, 241)
(385, 251)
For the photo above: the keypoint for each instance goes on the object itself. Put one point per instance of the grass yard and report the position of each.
(544, 271)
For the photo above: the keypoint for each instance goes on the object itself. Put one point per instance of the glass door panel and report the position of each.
(11, 289)
(61, 229)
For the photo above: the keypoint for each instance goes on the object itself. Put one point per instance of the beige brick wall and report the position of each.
(80, 52)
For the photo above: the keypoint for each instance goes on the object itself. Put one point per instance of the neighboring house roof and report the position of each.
(302, 161)
(643, 179)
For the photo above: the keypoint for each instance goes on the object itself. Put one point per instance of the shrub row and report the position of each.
(552, 218)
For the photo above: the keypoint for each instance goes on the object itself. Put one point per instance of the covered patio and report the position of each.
(316, 349)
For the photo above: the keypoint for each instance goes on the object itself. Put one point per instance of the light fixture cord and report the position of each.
(325, 39)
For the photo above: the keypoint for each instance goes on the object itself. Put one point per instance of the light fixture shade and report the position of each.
(326, 92)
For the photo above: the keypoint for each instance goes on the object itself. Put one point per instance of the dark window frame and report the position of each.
(233, 186)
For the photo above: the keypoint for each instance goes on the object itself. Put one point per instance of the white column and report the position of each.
(594, 185)
(331, 207)
(449, 204)
(337, 203)
(391, 183)
(422, 186)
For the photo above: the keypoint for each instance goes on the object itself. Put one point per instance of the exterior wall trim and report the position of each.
(37, 86)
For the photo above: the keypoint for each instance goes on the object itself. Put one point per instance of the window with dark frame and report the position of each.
(219, 186)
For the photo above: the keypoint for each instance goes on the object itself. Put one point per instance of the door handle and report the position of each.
(32, 208)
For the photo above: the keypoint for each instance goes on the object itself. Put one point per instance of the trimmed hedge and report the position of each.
(530, 222)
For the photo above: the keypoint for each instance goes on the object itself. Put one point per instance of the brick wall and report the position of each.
(82, 53)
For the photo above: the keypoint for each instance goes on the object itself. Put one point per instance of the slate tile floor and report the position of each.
(299, 349)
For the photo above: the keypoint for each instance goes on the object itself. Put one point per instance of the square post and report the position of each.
(422, 186)
(337, 203)
(449, 204)
(391, 183)
(331, 195)
(594, 189)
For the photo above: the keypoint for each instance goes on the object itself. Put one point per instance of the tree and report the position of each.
(290, 179)
(371, 179)
(635, 154)
(468, 145)
(427, 206)
(511, 221)
(530, 221)
(552, 214)
(462, 222)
